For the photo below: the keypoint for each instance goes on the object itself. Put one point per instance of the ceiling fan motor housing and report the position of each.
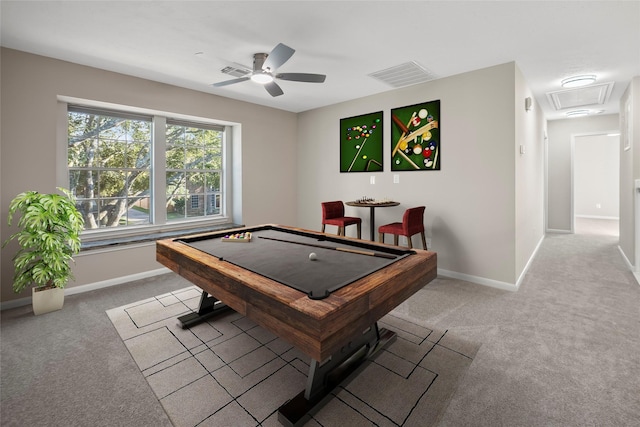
(258, 61)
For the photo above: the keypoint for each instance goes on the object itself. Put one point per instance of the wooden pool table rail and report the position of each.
(318, 328)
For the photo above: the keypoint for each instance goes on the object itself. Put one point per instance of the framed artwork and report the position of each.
(361, 143)
(415, 137)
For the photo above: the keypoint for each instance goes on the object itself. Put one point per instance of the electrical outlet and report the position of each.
(598, 206)
(396, 179)
(372, 179)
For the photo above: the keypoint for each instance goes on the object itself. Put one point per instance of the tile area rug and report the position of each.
(231, 372)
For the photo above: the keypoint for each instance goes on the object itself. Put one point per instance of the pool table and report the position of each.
(327, 307)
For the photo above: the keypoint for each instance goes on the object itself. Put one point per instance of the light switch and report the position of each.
(372, 180)
(396, 179)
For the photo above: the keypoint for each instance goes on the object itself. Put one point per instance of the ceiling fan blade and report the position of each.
(230, 82)
(302, 77)
(273, 89)
(278, 56)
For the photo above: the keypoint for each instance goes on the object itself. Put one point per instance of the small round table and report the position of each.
(372, 205)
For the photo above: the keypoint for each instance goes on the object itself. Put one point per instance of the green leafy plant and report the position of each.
(49, 236)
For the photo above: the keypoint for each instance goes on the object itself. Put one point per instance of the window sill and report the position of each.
(152, 237)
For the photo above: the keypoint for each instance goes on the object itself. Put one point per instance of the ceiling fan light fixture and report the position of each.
(264, 71)
(262, 78)
(577, 81)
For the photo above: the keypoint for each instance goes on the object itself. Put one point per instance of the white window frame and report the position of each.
(231, 168)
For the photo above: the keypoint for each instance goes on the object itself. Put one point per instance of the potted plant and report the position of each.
(49, 236)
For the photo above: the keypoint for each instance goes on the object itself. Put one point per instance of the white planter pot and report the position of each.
(45, 301)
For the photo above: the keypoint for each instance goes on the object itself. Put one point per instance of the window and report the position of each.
(195, 201)
(113, 158)
(194, 166)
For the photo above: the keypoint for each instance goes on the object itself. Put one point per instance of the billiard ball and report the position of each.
(313, 256)
(423, 113)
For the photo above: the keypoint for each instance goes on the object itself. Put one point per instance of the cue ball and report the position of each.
(313, 256)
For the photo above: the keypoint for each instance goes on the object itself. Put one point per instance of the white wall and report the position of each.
(30, 88)
(528, 149)
(484, 207)
(596, 176)
(559, 158)
(471, 202)
(629, 173)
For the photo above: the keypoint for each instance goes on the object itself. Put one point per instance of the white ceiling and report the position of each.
(187, 43)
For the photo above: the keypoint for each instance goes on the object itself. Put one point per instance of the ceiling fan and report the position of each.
(264, 66)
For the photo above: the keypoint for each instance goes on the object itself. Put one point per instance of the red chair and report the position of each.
(333, 214)
(412, 223)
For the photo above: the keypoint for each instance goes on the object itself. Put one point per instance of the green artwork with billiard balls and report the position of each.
(415, 137)
(361, 143)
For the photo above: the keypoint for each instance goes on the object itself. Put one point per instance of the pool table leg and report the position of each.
(323, 377)
(209, 306)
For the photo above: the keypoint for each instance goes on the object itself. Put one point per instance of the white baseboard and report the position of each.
(513, 287)
(598, 217)
(552, 230)
(636, 272)
(479, 280)
(526, 267)
(90, 287)
(115, 281)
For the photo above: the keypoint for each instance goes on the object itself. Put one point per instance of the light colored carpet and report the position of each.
(597, 226)
(230, 371)
(562, 351)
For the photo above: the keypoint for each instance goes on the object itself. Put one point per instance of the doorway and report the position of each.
(596, 184)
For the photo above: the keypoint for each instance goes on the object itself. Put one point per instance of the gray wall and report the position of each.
(559, 168)
(530, 127)
(31, 86)
(629, 172)
(481, 227)
(484, 208)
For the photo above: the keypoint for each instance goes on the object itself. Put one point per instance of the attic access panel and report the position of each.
(596, 94)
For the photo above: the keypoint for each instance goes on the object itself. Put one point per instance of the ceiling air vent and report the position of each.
(596, 94)
(239, 71)
(409, 73)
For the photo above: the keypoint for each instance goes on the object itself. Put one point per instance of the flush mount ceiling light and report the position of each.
(578, 113)
(577, 81)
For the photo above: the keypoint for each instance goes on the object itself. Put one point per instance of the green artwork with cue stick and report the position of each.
(361, 143)
(415, 137)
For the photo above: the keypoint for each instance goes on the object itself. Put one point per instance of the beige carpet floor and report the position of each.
(231, 372)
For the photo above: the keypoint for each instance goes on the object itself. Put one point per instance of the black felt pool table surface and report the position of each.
(289, 263)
